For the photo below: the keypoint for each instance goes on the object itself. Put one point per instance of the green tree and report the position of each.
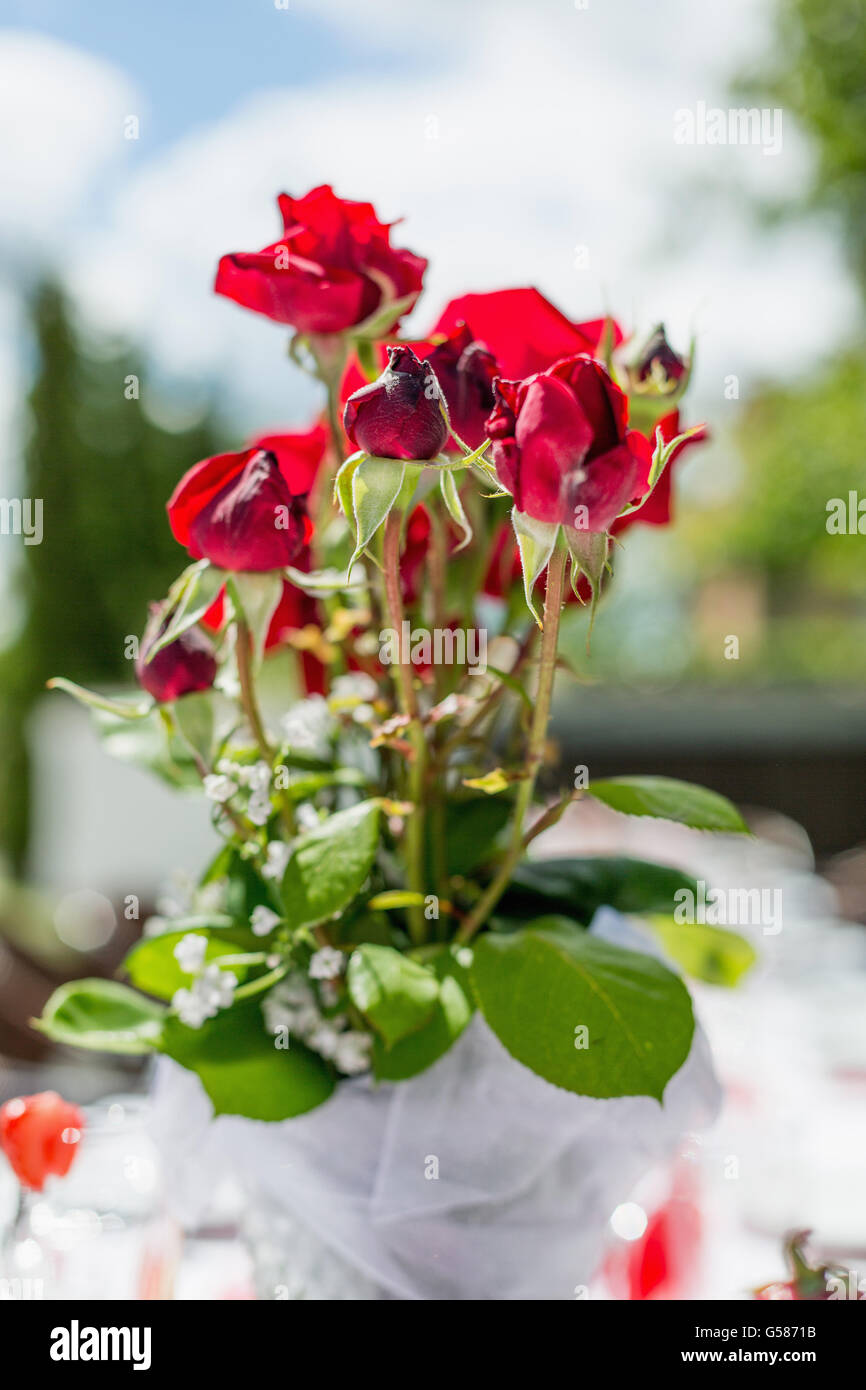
(103, 469)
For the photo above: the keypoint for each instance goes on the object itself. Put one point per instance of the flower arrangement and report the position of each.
(413, 551)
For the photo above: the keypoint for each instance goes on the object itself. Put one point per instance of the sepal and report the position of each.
(535, 542)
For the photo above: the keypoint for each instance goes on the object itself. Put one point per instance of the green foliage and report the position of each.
(104, 469)
(711, 954)
(393, 992)
(243, 1070)
(669, 799)
(577, 888)
(329, 865)
(102, 1016)
(637, 1014)
(451, 1012)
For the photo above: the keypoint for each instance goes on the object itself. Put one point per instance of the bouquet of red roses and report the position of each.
(413, 551)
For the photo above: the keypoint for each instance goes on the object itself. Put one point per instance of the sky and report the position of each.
(522, 143)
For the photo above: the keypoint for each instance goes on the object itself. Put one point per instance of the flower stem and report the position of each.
(534, 750)
(409, 703)
(243, 642)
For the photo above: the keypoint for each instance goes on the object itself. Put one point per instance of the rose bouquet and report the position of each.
(412, 551)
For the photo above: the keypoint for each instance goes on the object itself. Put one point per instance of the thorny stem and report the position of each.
(409, 703)
(534, 751)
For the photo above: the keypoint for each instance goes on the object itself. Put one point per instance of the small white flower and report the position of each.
(356, 686)
(307, 816)
(352, 1054)
(307, 724)
(211, 897)
(464, 957)
(328, 993)
(190, 952)
(191, 1009)
(363, 714)
(327, 964)
(263, 920)
(216, 986)
(155, 926)
(219, 789)
(259, 808)
(257, 777)
(277, 857)
(324, 1039)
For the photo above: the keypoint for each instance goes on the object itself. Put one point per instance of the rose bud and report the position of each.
(185, 665)
(562, 448)
(39, 1136)
(333, 267)
(466, 371)
(657, 365)
(237, 511)
(399, 415)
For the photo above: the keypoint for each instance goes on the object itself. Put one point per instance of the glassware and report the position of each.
(101, 1232)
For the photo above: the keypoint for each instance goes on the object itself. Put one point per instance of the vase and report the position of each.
(475, 1180)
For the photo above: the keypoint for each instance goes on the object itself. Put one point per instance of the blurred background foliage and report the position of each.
(99, 460)
(753, 556)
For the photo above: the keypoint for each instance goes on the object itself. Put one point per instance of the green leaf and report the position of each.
(491, 783)
(588, 550)
(102, 1016)
(194, 716)
(451, 495)
(535, 541)
(380, 324)
(669, 799)
(472, 827)
(151, 965)
(255, 598)
(578, 887)
(118, 708)
(376, 485)
(394, 993)
(538, 986)
(148, 744)
(243, 1071)
(324, 583)
(451, 1013)
(329, 864)
(712, 954)
(191, 595)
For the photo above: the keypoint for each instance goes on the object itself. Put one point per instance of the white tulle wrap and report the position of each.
(474, 1180)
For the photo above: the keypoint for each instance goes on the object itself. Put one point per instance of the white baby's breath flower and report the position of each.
(257, 777)
(263, 920)
(324, 1039)
(259, 808)
(190, 952)
(307, 724)
(352, 1054)
(307, 816)
(155, 925)
(277, 857)
(191, 1008)
(326, 964)
(358, 685)
(211, 897)
(217, 987)
(218, 788)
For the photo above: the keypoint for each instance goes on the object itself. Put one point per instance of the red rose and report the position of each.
(657, 509)
(333, 267)
(185, 665)
(466, 372)
(237, 511)
(39, 1135)
(658, 363)
(399, 415)
(522, 329)
(562, 448)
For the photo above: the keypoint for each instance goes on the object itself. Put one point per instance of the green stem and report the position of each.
(535, 747)
(243, 643)
(418, 765)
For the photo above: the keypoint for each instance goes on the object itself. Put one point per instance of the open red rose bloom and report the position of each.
(332, 268)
